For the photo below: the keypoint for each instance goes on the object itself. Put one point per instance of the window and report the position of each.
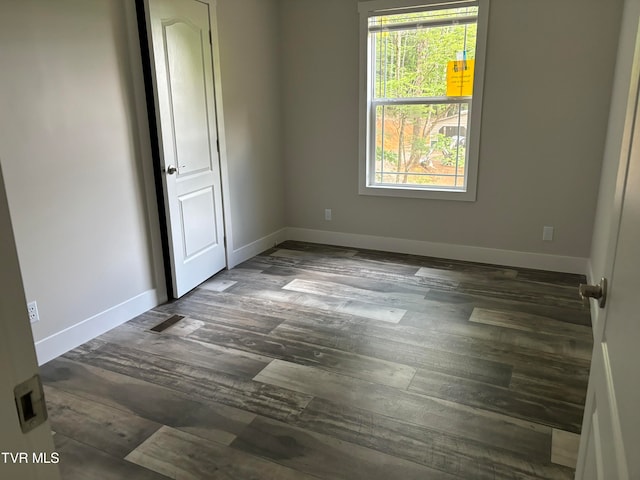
(421, 77)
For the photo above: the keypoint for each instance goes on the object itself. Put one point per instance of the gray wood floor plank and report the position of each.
(386, 307)
(481, 270)
(372, 310)
(531, 292)
(564, 448)
(179, 456)
(82, 462)
(204, 382)
(328, 303)
(217, 284)
(255, 313)
(526, 292)
(554, 413)
(356, 266)
(368, 338)
(340, 290)
(372, 284)
(453, 454)
(572, 390)
(553, 278)
(439, 313)
(252, 276)
(204, 418)
(458, 275)
(374, 276)
(389, 349)
(340, 296)
(365, 368)
(563, 346)
(105, 428)
(325, 456)
(420, 410)
(187, 351)
(314, 253)
(531, 323)
(561, 313)
(321, 303)
(225, 308)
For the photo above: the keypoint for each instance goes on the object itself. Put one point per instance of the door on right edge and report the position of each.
(610, 441)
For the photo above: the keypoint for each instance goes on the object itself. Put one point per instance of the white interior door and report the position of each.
(182, 62)
(610, 441)
(17, 364)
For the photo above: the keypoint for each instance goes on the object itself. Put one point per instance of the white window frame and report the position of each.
(366, 186)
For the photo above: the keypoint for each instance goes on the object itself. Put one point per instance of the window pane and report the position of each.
(413, 62)
(421, 144)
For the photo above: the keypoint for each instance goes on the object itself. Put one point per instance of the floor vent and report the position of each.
(167, 323)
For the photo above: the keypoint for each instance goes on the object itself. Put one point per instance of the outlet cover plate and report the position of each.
(32, 309)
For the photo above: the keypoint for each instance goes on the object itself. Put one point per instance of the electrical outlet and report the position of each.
(547, 234)
(32, 308)
(327, 214)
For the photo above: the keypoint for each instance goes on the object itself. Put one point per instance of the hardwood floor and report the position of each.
(310, 361)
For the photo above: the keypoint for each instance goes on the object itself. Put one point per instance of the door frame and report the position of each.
(148, 119)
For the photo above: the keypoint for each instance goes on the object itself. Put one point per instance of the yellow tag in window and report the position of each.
(460, 78)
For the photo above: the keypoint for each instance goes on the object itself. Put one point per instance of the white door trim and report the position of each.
(222, 137)
(143, 149)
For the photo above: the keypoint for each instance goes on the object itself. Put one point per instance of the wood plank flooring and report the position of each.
(311, 361)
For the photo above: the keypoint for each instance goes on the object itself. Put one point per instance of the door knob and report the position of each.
(171, 169)
(599, 292)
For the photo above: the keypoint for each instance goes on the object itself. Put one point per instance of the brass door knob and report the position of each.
(599, 292)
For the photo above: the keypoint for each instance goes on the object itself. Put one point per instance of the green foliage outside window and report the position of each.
(412, 64)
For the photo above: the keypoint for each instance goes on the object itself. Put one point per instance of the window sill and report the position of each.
(410, 192)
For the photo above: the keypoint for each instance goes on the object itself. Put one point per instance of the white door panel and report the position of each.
(186, 79)
(185, 102)
(196, 209)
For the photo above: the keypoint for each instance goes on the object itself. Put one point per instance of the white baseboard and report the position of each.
(244, 253)
(541, 261)
(71, 337)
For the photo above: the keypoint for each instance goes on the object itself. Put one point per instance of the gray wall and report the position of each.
(250, 67)
(546, 102)
(71, 157)
(74, 159)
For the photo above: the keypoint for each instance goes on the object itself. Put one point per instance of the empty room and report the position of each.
(319, 239)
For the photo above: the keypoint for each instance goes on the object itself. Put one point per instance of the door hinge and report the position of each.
(210, 40)
(218, 145)
(224, 241)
